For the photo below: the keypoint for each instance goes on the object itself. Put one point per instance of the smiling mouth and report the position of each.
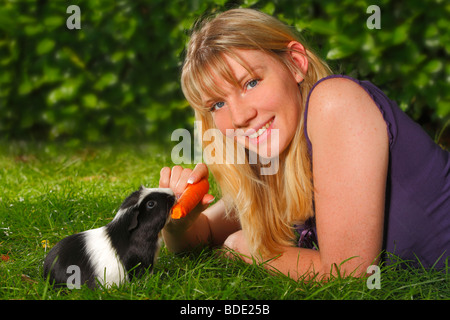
(261, 130)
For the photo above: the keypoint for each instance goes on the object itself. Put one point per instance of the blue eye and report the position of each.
(217, 105)
(251, 84)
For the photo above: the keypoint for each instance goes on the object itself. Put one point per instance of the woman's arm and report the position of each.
(293, 261)
(350, 161)
(211, 227)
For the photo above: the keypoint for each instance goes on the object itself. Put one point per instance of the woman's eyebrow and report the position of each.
(252, 73)
(209, 101)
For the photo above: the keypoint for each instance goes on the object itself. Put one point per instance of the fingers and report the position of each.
(207, 199)
(200, 171)
(164, 177)
(175, 177)
(178, 178)
(178, 181)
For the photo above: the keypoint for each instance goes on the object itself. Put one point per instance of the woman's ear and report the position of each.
(297, 53)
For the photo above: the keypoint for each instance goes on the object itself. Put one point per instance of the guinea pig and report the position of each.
(123, 249)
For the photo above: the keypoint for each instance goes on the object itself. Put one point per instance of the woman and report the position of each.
(350, 161)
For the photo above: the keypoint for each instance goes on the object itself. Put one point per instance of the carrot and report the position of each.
(191, 196)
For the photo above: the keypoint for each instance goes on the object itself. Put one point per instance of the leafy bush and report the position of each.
(118, 76)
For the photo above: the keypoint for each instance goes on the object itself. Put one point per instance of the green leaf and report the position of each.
(45, 46)
(433, 66)
(90, 100)
(338, 52)
(53, 22)
(421, 80)
(249, 3)
(65, 92)
(108, 79)
(269, 8)
(443, 108)
(25, 87)
(33, 29)
(401, 34)
(322, 26)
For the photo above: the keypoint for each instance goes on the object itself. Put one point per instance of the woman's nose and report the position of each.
(242, 114)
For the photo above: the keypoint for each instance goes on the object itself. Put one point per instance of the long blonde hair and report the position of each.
(267, 205)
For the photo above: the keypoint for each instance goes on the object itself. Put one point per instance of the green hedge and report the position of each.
(118, 76)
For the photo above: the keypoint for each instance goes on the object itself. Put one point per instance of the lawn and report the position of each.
(49, 191)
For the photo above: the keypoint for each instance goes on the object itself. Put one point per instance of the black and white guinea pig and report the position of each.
(119, 251)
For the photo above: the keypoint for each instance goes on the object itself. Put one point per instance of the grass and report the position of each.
(49, 192)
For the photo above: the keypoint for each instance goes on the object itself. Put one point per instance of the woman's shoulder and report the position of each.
(336, 91)
(336, 94)
(340, 99)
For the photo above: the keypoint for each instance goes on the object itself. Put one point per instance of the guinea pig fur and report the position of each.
(119, 251)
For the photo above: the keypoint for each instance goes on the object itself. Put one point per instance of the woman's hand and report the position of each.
(178, 179)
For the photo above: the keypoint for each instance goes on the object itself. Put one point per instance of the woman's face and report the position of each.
(263, 112)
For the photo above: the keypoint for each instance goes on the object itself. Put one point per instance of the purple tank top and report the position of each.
(417, 213)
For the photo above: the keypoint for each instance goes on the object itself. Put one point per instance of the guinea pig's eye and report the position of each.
(151, 204)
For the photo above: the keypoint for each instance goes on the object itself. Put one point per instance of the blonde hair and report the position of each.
(267, 205)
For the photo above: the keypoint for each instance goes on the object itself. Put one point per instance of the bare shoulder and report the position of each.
(334, 94)
(339, 101)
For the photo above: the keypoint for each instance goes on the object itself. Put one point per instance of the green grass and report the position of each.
(49, 192)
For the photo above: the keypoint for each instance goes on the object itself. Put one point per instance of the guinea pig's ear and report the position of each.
(131, 200)
(133, 219)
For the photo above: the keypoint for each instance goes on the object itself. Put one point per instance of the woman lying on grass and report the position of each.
(352, 165)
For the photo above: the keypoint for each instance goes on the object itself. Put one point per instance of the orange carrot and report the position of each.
(191, 196)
